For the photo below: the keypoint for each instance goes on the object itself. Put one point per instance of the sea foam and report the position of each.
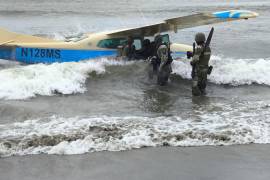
(22, 82)
(77, 135)
(231, 71)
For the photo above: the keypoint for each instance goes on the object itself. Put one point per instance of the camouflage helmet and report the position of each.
(199, 38)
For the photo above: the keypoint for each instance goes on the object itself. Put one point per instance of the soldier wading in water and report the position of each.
(200, 63)
(160, 63)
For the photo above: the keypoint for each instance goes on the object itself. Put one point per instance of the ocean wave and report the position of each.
(77, 135)
(231, 71)
(22, 82)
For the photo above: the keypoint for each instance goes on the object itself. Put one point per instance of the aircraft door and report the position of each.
(165, 39)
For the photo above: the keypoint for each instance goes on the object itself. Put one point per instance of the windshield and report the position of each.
(111, 43)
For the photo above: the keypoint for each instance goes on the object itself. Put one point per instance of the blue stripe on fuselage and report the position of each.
(44, 55)
(7, 53)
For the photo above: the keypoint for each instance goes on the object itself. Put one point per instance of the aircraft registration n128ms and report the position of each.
(32, 49)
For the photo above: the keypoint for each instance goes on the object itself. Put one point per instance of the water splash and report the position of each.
(231, 71)
(22, 82)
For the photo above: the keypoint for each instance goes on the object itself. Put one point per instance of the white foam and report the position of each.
(79, 135)
(23, 82)
(231, 71)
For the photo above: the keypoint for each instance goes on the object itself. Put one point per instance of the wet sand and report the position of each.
(222, 162)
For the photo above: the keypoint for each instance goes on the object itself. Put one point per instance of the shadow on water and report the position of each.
(201, 100)
(174, 98)
(157, 99)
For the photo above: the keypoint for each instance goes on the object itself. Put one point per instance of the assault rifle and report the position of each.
(208, 40)
(207, 44)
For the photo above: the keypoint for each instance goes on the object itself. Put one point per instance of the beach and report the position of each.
(247, 162)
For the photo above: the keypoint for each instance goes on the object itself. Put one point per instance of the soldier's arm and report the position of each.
(196, 56)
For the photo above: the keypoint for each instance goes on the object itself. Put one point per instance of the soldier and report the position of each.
(160, 65)
(200, 66)
(165, 69)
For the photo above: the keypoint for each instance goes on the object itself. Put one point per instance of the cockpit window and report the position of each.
(111, 43)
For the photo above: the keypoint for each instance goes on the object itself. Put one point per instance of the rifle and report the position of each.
(207, 44)
(193, 66)
(209, 38)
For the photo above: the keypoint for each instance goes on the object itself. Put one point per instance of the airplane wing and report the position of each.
(189, 21)
(7, 37)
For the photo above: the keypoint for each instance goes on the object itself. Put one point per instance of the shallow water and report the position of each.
(96, 105)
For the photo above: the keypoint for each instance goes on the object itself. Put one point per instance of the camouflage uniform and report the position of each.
(200, 62)
(160, 65)
(165, 68)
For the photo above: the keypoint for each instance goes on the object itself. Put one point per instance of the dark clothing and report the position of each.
(155, 61)
(144, 53)
(129, 52)
(153, 50)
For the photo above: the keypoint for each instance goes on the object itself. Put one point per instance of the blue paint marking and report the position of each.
(223, 14)
(178, 54)
(236, 15)
(42, 55)
(6, 53)
(229, 14)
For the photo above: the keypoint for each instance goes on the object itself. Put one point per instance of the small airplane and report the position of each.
(33, 49)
